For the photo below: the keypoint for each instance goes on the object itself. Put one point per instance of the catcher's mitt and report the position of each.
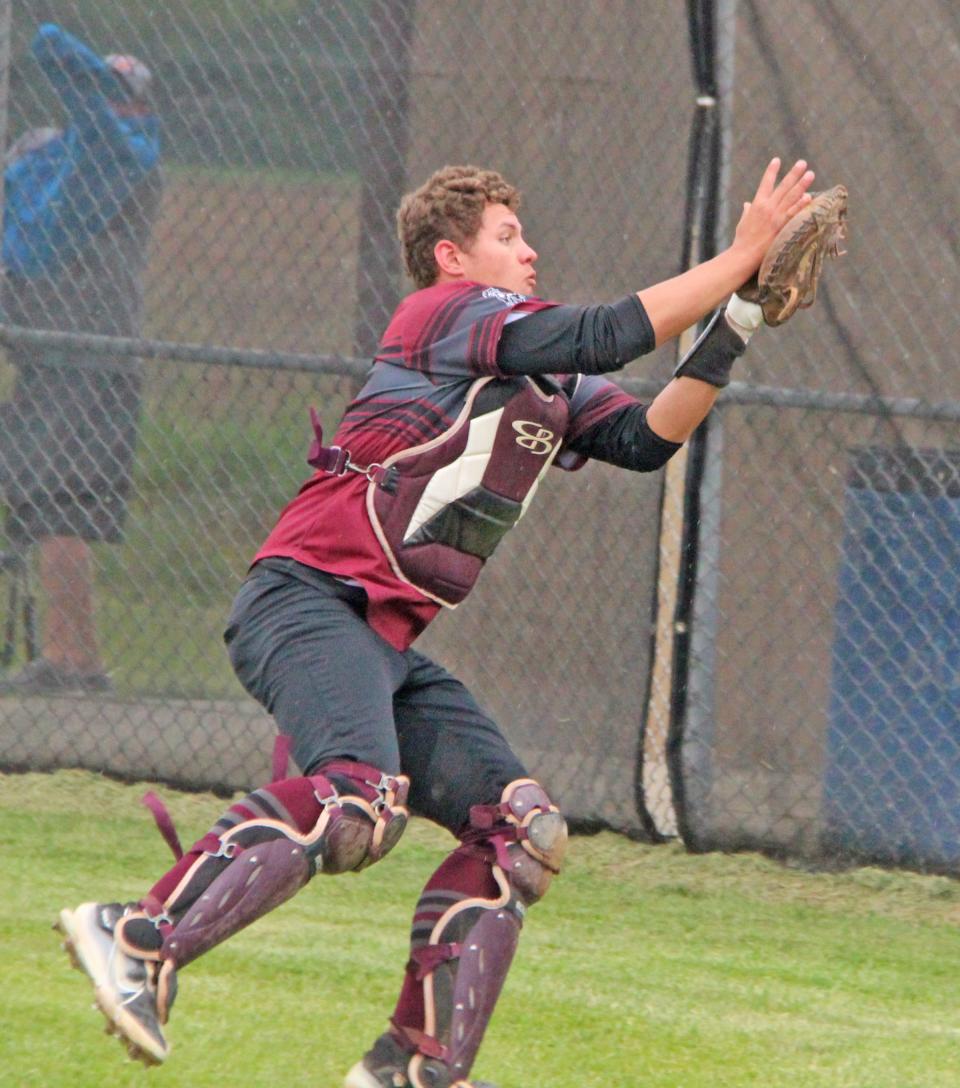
(787, 278)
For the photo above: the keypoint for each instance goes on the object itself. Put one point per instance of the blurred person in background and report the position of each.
(477, 388)
(79, 208)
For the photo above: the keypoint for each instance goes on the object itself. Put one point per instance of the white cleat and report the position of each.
(124, 986)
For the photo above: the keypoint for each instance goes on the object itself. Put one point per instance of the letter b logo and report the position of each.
(533, 437)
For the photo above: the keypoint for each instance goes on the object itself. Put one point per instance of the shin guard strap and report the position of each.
(428, 957)
(422, 1043)
(164, 822)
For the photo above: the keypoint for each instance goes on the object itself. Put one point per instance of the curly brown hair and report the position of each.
(449, 204)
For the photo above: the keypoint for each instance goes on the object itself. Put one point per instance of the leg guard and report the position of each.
(259, 879)
(265, 849)
(466, 929)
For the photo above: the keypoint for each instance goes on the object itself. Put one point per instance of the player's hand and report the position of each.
(773, 204)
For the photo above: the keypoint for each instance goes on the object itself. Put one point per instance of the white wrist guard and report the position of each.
(743, 317)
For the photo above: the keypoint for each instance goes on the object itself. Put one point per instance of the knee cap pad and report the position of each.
(364, 814)
(529, 833)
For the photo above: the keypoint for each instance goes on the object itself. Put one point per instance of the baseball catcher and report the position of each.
(479, 387)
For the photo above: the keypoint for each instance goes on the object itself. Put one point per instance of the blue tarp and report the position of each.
(892, 782)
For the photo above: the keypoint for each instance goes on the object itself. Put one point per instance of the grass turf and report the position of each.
(644, 966)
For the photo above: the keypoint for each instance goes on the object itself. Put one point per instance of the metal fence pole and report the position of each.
(677, 546)
(696, 618)
(382, 170)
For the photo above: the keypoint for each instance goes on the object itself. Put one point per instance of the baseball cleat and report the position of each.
(124, 986)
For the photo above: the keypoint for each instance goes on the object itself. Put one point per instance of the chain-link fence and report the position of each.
(677, 652)
(822, 710)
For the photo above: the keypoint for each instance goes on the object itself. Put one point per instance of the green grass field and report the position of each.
(645, 966)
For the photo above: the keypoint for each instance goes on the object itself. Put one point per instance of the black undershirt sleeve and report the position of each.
(576, 339)
(625, 439)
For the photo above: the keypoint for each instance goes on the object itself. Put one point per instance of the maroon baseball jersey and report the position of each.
(454, 447)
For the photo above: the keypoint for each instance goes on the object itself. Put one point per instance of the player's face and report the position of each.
(498, 256)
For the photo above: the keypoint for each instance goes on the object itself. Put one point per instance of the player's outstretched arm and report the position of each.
(675, 304)
(683, 404)
(680, 407)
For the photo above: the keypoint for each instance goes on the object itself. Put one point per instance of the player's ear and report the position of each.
(448, 257)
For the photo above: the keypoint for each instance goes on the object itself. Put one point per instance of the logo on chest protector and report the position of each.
(533, 437)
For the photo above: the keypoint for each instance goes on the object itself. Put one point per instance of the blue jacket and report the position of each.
(62, 194)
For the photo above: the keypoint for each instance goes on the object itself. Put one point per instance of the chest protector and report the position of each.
(441, 508)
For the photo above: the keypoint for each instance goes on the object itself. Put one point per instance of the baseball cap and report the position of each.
(133, 73)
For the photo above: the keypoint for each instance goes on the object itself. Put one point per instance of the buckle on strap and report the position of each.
(336, 459)
(377, 474)
(388, 783)
(333, 459)
(156, 912)
(325, 791)
(228, 850)
(212, 845)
